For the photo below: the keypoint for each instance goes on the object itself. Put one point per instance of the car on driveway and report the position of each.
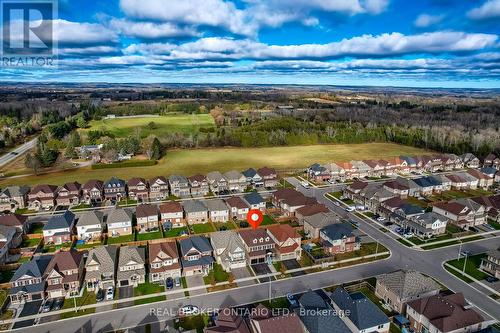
(99, 297)
(381, 219)
(58, 303)
(291, 299)
(110, 293)
(350, 209)
(169, 283)
(47, 305)
(177, 281)
(188, 310)
(491, 279)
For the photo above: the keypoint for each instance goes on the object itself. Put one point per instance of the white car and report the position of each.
(188, 310)
(408, 235)
(350, 209)
(304, 184)
(110, 294)
(360, 207)
(381, 219)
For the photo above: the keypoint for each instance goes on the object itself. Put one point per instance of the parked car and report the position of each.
(408, 235)
(354, 223)
(491, 279)
(169, 283)
(350, 209)
(188, 310)
(381, 219)
(110, 293)
(47, 305)
(305, 184)
(57, 304)
(465, 253)
(99, 297)
(177, 281)
(331, 181)
(291, 299)
(360, 208)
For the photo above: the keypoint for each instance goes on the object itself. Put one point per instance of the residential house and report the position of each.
(10, 238)
(228, 322)
(339, 238)
(443, 180)
(491, 263)
(314, 223)
(470, 161)
(229, 250)
(484, 181)
(427, 185)
(269, 177)
(472, 182)
(263, 320)
(147, 217)
(100, 267)
(138, 189)
(352, 191)
(289, 200)
(131, 266)
(491, 205)
(217, 182)
(389, 206)
(443, 313)
(400, 287)
(259, 246)
(90, 226)
(480, 216)
(288, 242)
(236, 181)
(393, 165)
(405, 212)
(196, 255)
(59, 228)
(164, 261)
(13, 198)
(492, 161)
(378, 168)
(410, 164)
(253, 178)
(374, 196)
(218, 211)
(490, 172)
(28, 282)
(428, 224)
(69, 194)
(114, 189)
(199, 185)
(338, 171)
(397, 188)
(317, 315)
(92, 191)
(363, 170)
(119, 222)
(65, 274)
(363, 315)
(158, 188)
(42, 197)
(172, 215)
(457, 182)
(179, 186)
(238, 208)
(196, 211)
(413, 188)
(255, 201)
(318, 173)
(310, 210)
(20, 222)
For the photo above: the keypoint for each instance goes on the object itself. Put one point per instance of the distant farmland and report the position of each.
(156, 125)
(191, 161)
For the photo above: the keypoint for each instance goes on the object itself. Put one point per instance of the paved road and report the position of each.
(428, 262)
(13, 154)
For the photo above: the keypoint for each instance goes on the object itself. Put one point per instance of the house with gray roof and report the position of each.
(314, 223)
(131, 266)
(361, 314)
(253, 177)
(196, 255)
(196, 211)
(119, 222)
(90, 225)
(28, 282)
(236, 181)
(218, 211)
(100, 267)
(179, 186)
(339, 238)
(217, 182)
(59, 228)
(229, 250)
(428, 224)
(13, 198)
(115, 189)
(318, 316)
(255, 201)
(400, 287)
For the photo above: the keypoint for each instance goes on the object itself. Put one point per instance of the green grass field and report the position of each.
(173, 123)
(192, 161)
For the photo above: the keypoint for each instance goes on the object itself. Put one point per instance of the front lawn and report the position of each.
(175, 232)
(216, 273)
(203, 228)
(121, 239)
(145, 236)
(471, 267)
(150, 300)
(148, 288)
(87, 298)
(277, 303)
(495, 225)
(366, 249)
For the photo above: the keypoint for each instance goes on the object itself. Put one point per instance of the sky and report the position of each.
(424, 43)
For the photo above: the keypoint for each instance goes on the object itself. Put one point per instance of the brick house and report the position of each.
(172, 215)
(164, 261)
(13, 198)
(92, 191)
(199, 185)
(138, 189)
(115, 189)
(288, 242)
(339, 238)
(59, 229)
(42, 197)
(158, 188)
(69, 194)
(147, 217)
(65, 274)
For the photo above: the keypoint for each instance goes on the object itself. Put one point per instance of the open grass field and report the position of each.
(172, 123)
(191, 161)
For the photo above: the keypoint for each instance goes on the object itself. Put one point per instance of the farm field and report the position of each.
(191, 161)
(174, 123)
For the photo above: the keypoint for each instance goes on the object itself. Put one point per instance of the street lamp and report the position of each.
(465, 263)
(459, 249)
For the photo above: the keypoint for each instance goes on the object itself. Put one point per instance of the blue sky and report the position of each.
(425, 43)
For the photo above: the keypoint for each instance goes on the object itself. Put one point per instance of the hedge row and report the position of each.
(126, 164)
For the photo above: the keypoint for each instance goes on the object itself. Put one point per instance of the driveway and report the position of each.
(293, 264)
(262, 269)
(29, 309)
(125, 292)
(196, 281)
(240, 273)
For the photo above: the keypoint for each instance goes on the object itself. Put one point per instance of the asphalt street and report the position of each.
(13, 154)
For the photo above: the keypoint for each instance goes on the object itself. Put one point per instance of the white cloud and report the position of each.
(376, 6)
(426, 20)
(88, 50)
(488, 10)
(151, 30)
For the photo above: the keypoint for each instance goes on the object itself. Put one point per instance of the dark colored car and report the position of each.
(169, 283)
(47, 305)
(99, 297)
(491, 279)
(57, 304)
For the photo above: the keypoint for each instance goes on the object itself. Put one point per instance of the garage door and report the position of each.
(124, 283)
(36, 297)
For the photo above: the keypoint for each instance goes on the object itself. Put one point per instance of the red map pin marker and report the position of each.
(255, 218)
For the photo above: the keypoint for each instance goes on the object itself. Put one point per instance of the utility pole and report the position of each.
(459, 250)
(465, 263)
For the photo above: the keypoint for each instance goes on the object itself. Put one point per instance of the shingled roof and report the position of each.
(407, 284)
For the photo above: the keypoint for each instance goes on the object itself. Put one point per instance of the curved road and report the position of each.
(12, 155)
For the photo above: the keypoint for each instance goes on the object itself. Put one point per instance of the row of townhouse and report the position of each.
(90, 225)
(46, 196)
(65, 273)
(342, 171)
